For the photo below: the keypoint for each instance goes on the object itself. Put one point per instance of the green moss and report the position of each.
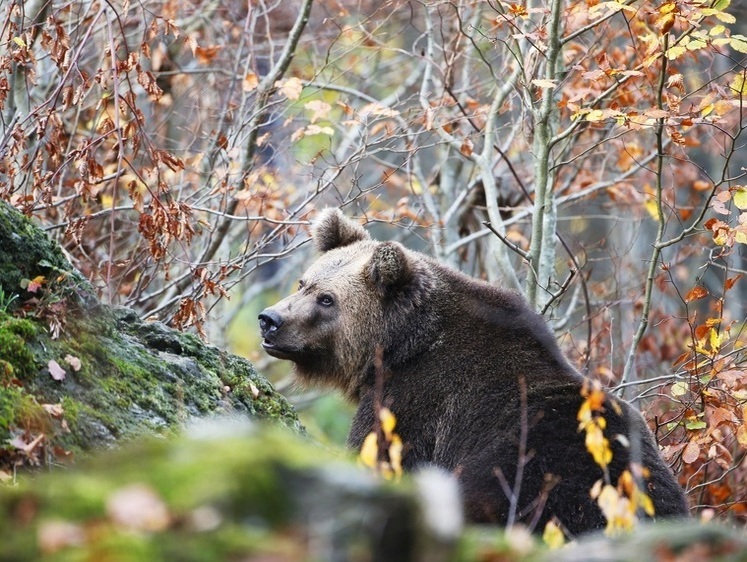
(14, 349)
(27, 252)
(18, 409)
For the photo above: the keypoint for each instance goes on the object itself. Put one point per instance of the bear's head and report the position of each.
(354, 300)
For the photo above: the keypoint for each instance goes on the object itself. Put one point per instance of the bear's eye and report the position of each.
(301, 284)
(326, 300)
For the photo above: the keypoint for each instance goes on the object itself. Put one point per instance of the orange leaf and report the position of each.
(696, 293)
(729, 283)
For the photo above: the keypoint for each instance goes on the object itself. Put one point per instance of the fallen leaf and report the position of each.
(74, 362)
(35, 284)
(53, 536)
(57, 372)
(21, 445)
(138, 507)
(54, 410)
(254, 389)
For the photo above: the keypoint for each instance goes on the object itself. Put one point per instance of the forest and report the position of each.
(589, 155)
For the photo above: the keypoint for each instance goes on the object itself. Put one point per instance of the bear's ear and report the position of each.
(333, 230)
(389, 268)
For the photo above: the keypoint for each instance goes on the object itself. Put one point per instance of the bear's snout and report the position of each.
(269, 321)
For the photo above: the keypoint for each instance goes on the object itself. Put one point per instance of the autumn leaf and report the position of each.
(553, 536)
(518, 10)
(250, 82)
(466, 147)
(20, 444)
(597, 444)
(54, 410)
(388, 421)
(742, 430)
(139, 508)
(57, 372)
(395, 455)
(740, 198)
(369, 454)
(33, 285)
(290, 88)
(542, 83)
(74, 362)
(319, 110)
(55, 535)
(205, 55)
(731, 281)
(696, 293)
(691, 452)
(679, 389)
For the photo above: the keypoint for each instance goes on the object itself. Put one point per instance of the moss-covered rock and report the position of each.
(221, 493)
(75, 374)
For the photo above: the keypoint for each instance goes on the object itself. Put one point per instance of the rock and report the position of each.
(76, 374)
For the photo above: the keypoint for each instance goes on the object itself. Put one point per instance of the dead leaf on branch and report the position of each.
(691, 452)
(696, 293)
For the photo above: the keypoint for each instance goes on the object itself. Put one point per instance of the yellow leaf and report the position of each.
(20, 42)
(395, 455)
(679, 389)
(370, 450)
(665, 22)
(652, 209)
(726, 18)
(609, 500)
(388, 421)
(717, 339)
(738, 43)
(553, 536)
(598, 445)
(676, 51)
(740, 198)
(595, 115)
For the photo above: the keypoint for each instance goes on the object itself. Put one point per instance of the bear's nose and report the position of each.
(269, 321)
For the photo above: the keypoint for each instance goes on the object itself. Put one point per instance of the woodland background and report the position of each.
(589, 154)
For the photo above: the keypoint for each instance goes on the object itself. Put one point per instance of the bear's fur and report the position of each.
(468, 369)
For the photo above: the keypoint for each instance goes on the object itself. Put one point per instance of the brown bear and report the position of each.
(474, 377)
